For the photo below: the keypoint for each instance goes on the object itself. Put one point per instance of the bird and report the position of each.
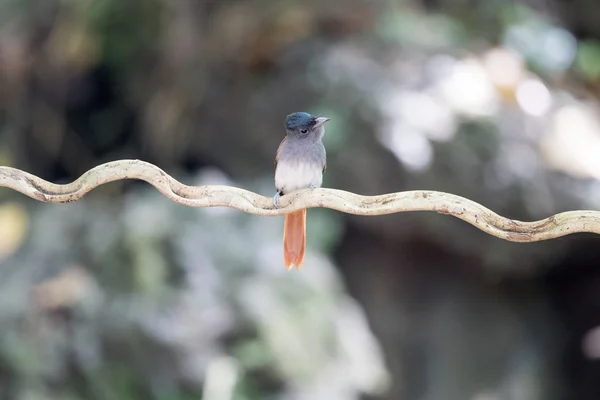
(300, 162)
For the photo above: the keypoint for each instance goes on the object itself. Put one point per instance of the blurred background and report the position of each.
(126, 295)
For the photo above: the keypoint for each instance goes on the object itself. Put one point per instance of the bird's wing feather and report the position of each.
(278, 150)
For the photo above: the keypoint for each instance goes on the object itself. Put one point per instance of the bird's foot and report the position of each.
(276, 199)
(313, 186)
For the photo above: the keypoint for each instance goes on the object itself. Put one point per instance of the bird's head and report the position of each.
(303, 125)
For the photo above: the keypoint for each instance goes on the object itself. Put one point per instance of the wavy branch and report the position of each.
(225, 196)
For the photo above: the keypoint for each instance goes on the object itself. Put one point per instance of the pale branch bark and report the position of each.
(225, 196)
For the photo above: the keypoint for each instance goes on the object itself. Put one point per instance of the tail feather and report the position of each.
(294, 239)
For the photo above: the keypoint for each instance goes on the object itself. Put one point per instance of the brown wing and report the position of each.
(278, 149)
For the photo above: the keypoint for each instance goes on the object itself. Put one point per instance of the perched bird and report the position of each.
(299, 164)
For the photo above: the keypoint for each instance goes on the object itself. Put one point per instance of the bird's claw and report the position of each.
(313, 186)
(276, 199)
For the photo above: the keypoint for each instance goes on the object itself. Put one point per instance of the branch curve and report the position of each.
(225, 196)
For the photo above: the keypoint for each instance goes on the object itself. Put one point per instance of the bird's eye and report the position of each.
(303, 130)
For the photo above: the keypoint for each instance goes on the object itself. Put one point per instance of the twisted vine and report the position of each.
(225, 196)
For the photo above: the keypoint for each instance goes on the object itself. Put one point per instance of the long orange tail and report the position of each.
(294, 239)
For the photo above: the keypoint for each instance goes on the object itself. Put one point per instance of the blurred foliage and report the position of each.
(124, 295)
(588, 59)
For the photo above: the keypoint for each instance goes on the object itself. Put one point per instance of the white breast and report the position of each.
(291, 176)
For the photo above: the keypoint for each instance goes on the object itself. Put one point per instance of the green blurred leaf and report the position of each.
(429, 31)
(588, 59)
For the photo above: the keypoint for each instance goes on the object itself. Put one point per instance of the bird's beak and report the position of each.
(320, 121)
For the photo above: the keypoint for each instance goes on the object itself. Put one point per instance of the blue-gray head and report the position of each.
(302, 125)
